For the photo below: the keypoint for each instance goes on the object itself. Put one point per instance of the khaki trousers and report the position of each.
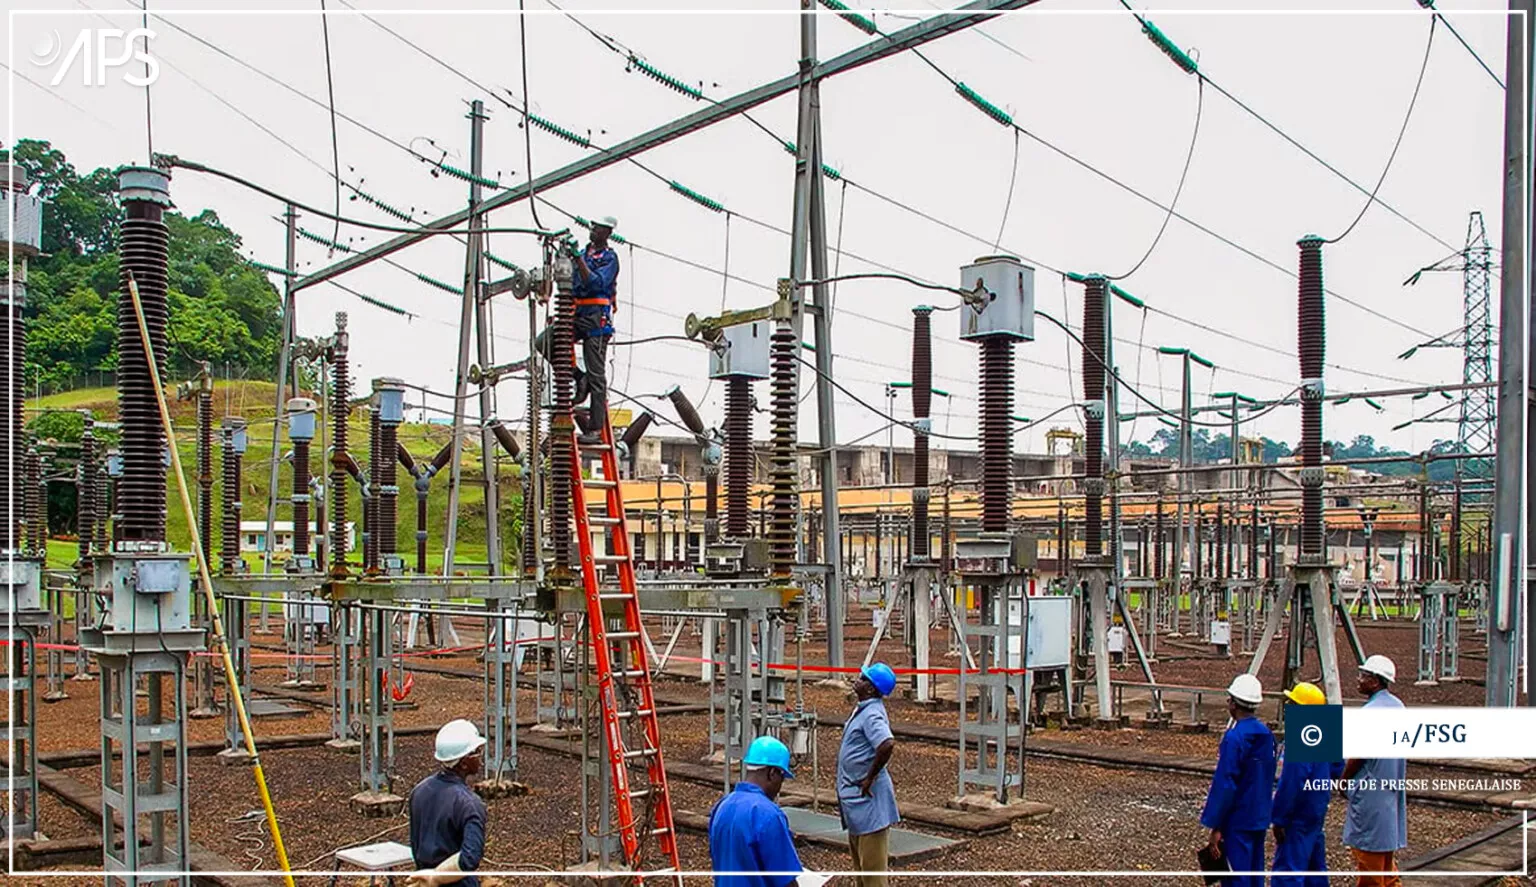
(1367, 861)
(871, 853)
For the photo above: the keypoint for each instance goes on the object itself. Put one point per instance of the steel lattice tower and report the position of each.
(1475, 424)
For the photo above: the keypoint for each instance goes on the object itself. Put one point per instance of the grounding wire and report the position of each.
(1013, 177)
(1194, 139)
(1457, 34)
(1413, 102)
(330, 92)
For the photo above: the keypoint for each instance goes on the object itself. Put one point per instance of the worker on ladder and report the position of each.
(447, 818)
(749, 835)
(595, 284)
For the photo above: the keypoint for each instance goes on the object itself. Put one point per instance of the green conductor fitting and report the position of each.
(381, 206)
(1127, 297)
(826, 170)
(559, 131)
(664, 78)
(852, 18)
(1374, 405)
(438, 283)
(468, 176)
(1179, 56)
(986, 107)
(273, 269)
(588, 225)
(378, 303)
(498, 260)
(324, 241)
(696, 197)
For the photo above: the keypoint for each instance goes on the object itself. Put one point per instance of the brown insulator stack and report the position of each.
(143, 249)
(1095, 288)
(562, 440)
(205, 463)
(300, 496)
(36, 508)
(104, 516)
(784, 501)
(1455, 564)
(85, 496)
(1253, 540)
(530, 531)
(1197, 546)
(922, 407)
(738, 455)
(1063, 553)
(996, 432)
(1310, 351)
(13, 387)
(341, 410)
(390, 408)
(229, 547)
(1158, 530)
(1219, 562)
(371, 505)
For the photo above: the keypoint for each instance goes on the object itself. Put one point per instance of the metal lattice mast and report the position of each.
(1476, 428)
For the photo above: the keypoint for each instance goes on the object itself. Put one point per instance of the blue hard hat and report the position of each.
(881, 676)
(765, 751)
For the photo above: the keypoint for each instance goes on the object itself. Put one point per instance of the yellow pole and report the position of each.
(207, 583)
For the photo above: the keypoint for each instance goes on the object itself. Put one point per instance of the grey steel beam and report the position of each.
(941, 25)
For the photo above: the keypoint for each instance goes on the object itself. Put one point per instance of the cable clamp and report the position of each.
(1312, 389)
(1094, 409)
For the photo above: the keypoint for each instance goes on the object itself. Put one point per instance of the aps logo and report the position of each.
(98, 50)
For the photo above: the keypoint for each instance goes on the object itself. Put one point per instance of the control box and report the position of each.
(1009, 306)
(21, 581)
(743, 351)
(147, 595)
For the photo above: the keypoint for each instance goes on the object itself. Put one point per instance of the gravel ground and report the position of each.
(1105, 817)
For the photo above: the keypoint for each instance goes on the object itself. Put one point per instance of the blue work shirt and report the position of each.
(1240, 796)
(598, 292)
(1297, 807)
(867, 728)
(749, 833)
(447, 817)
(1377, 818)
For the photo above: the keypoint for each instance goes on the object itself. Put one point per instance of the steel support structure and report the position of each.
(1513, 569)
(144, 793)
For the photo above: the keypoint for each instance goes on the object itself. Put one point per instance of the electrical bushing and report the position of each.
(391, 400)
(301, 419)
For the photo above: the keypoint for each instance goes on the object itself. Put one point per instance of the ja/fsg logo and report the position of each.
(98, 50)
(1314, 733)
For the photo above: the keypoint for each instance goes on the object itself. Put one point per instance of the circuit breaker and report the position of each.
(1009, 309)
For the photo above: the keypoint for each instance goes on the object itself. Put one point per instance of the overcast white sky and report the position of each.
(1077, 73)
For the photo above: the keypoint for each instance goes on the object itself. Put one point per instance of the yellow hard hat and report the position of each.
(1306, 694)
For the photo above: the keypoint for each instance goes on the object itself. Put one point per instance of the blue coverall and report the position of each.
(1299, 812)
(447, 817)
(749, 834)
(1239, 802)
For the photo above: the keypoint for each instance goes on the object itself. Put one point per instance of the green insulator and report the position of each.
(664, 78)
(696, 197)
(559, 131)
(985, 106)
(1179, 56)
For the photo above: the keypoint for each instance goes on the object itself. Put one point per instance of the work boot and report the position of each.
(589, 438)
(582, 391)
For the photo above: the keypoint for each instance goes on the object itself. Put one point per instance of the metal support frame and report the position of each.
(162, 798)
(18, 820)
(502, 656)
(993, 730)
(376, 758)
(235, 627)
(346, 672)
(1313, 602)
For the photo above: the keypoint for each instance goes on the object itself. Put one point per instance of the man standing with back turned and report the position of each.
(447, 817)
(1238, 806)
(866, 799)
(1376, 823)
(748, 832)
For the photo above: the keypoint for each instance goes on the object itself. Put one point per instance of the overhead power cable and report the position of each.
(1430, 5)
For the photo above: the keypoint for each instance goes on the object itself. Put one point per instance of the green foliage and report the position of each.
(222, 308)
(67, 427)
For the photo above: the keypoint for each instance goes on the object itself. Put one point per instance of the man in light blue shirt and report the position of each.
(1376, 821)
(866, 798)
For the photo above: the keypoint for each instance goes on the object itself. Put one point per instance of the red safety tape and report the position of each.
(846, 669)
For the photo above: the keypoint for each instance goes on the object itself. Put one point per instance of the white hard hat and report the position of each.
(1245, 688)
(608, 222)
(456, 739)
(1381, 667)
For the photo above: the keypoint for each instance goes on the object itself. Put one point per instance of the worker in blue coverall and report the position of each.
(595, 285)
(1237, 808)
(1300, 807)
(447, 818)
(748, 833)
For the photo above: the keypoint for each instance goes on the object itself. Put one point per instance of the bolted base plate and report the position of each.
(346, 746)
(1017, 808)
(376, 805)
(231, 757)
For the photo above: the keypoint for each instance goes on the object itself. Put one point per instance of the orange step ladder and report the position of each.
(622, 663)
